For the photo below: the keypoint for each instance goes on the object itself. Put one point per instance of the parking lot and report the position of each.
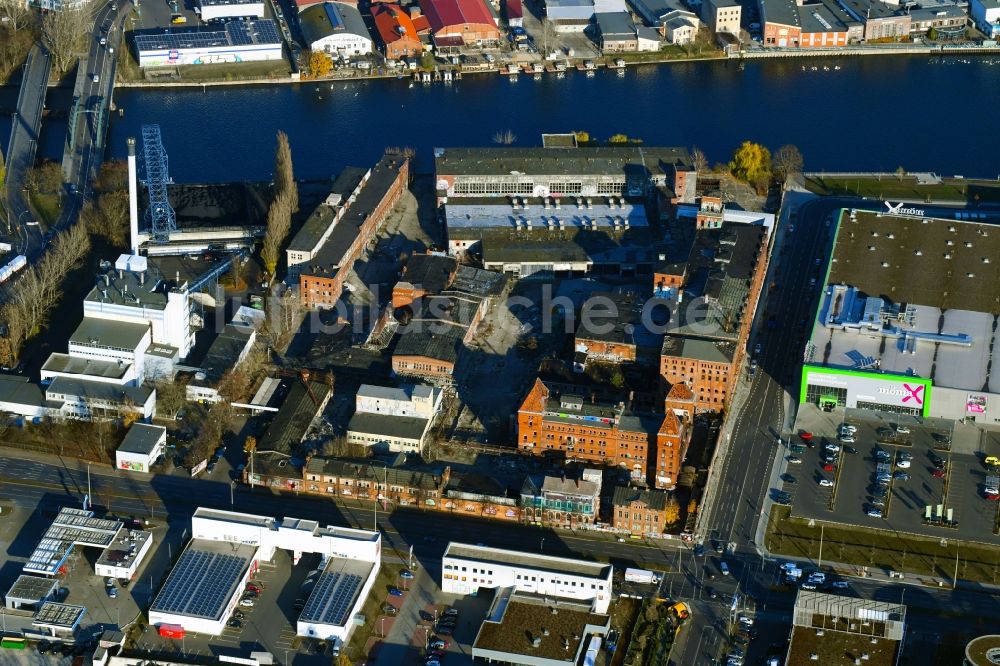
(945, 467)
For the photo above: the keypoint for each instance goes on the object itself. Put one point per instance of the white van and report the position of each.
(724, 568)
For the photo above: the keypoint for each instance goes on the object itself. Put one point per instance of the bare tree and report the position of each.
(284, 176)
(63, 32)
(279, 223)
(549, 35)
(15, 13)
(505, 137)
(786, 161)
(699, 159)
(171, 396)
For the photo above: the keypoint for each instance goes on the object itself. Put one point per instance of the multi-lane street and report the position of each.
(22, 147)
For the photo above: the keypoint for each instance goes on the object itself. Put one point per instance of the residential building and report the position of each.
(725, 269)
(396, 31)
(986, 15)
(616, 32)
(569, 15)
(563, 419)
(393, 419)
(647, 39)
(458, 23)
(335, 28)
(142, 446)
(722, 16)
(655, 13)
(510, 635)
(680, 30)
(321, 280)
(639, 511)
(375, 480)
(515, 13)
(467, 568)
(565, 501)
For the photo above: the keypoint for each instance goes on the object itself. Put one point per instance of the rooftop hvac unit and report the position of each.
(611, 202)
(590, 204)
(579, 203)
(545, 203)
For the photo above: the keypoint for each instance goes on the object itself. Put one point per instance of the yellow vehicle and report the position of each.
(680, 612)
(992, 461)
(178, 18)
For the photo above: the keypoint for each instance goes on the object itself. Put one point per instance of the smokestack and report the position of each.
(133, 198)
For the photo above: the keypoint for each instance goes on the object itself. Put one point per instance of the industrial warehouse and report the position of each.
(225, 552)
(907, 329)
(236, 41)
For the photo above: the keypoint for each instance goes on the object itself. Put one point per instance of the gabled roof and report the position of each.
(442, 13)
(393, 23)
(655, 500)
(680, 392)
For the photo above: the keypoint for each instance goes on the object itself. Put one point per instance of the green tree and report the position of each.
(751, 163)
(284, 175)
(932, 34)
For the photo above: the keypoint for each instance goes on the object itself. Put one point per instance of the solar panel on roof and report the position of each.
(332, 598)
(200, 584)
(234, 33)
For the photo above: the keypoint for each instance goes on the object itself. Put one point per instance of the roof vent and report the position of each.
(950, 243)
(555, 611)
(968, 243)
(951, 228)
(536, 642)
(970, 275)
(885, 264)
(890, 235)
(919, 253)
(871, 248)
(545, 631)
(947, 255)
(986, 260)
(874, 234)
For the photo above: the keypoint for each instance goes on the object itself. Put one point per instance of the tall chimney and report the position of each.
(133, 198)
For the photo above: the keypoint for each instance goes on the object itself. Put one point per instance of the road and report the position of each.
(94, 102)
(22, 145)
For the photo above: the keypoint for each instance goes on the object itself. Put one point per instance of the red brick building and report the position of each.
(321, 282)
(639, 511)
(728, 265)
(559, 418)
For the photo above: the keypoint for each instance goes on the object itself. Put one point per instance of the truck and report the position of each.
(641, 576)
(13, 266)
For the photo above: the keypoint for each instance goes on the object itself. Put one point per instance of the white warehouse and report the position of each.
(221, 10)
(226, 548)
(466, 568)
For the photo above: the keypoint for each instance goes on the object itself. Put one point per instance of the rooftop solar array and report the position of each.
(234, 33)
(31, 589)
(336, 592)
(203, 579)
(71, 527)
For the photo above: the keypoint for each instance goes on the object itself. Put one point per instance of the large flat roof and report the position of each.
(947, 264)
(336, 592)
(233, 33)
(84, 367)
(59, 616)
(31, 589)
(504, 215)
(70, 527)
(584, 160)
(109, 333)
(567, 626)
(319, 220)
(204, 579)
(142, 438)
(528, 560)
(387, 425)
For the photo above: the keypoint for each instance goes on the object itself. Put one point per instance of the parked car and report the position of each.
(253, 587)
(395, 592)
(439, 644)
(247, 603)
(874, 513)
(847, 438)
(406, 574)
(699, 550)
(903, 464)
(902, 429)
(794, 460)
(112, 591)
(828, 467)
(848, 428)
(250, 594)
(444, 631)
(904, 455)
(723, 568)
(833, 448)
(850, 449)
(390, 609)
(788, 478)
(900, 476)
(840, 585)
(938, 473)
(234, 623)
(450, 611)
(826, 483)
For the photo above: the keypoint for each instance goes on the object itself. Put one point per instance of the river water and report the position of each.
(874, 113)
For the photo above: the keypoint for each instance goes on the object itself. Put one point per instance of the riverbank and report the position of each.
(619, 61)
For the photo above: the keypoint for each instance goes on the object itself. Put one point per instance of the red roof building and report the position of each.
(305, 4)
(470, 21)
(396, 31)
(515, 13)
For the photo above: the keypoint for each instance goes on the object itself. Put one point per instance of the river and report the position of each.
(874, 113)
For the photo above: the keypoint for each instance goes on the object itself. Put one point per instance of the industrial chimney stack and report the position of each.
(133, 198)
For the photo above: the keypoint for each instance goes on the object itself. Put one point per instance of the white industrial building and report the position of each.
(226, 548)
(335, 28)
(393, 419)
(236, 41)
(122, 549)
(467, 568)
(142, 445)
(223, 10)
